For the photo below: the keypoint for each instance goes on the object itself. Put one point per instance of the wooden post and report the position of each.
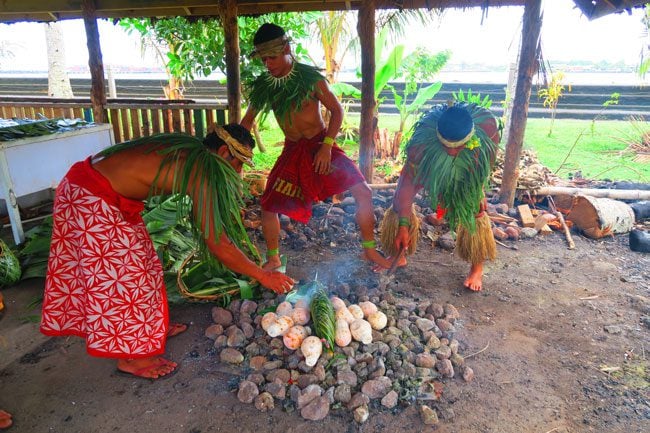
(366, 30)
(231, 38)
(527, 68)
(97, 91)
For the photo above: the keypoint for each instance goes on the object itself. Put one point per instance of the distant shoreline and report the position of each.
(487, 77)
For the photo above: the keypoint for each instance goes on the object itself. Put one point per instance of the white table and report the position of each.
(35, 164)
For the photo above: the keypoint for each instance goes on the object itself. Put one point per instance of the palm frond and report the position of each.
(456, 183)
(283, 95)
(195, 170)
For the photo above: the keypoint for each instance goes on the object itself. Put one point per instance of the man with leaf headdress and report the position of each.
(311, 167)
(104, 280)
(450, 154)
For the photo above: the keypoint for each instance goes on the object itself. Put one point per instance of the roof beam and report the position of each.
(53, 10)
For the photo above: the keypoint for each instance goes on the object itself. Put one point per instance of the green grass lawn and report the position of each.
(595, 148)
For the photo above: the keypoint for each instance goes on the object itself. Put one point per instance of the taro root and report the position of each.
(311, 348)
(268, 319)
(337, 303)
(300, 316)
(368, 308)
(361, 331)
(294, 337)
(284, 309)
(356, 311)
(378, 320)
(343, 334)
(344, 314)
(280, 326)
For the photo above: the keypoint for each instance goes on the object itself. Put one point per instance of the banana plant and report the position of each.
(387, 69)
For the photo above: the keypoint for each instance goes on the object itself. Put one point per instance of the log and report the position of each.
(617, 194)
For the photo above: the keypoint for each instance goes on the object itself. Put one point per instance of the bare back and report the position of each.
(131, 172)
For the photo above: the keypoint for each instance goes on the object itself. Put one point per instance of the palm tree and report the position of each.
(58, 82)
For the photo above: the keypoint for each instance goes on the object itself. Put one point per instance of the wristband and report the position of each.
(329, 141)
(404, 222)
(369, 244)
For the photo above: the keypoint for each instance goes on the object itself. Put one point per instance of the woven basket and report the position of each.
(182, 288)
(256, 181)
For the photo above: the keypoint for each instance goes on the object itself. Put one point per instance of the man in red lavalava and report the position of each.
(104, 280)
(311, 167)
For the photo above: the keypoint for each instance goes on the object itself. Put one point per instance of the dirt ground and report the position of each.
(558, 341)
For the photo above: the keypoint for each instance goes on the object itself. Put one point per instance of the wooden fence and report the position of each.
(130, 118)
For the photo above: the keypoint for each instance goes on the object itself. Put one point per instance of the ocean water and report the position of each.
(488, 77)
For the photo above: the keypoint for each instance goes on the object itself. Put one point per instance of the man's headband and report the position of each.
(238, 150)
(271, 48)
(457, 143)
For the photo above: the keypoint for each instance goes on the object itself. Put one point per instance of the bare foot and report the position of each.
(272, 263)
(175, 329)
(5, 419)
(148, 368)
(474, 280)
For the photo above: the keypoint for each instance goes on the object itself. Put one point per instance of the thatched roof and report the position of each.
(54, 10)
(593, 9)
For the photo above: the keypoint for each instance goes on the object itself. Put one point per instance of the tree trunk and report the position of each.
(231, 39)
(366, 30)
(174, 88)
(258, 138)
(527, 67)
(58, 82)
(97, 91)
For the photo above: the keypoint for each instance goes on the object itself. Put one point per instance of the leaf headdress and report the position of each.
(222, 198)
(455, 183)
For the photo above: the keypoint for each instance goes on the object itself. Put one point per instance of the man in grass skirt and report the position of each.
(450, 155)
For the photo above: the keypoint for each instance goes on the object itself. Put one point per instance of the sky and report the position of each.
(566, 35)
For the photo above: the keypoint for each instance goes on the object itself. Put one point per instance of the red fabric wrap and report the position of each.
(104, 280)
(293, 185)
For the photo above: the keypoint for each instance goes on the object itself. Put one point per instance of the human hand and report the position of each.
(402, 239)
(277, 281)
(323, 160)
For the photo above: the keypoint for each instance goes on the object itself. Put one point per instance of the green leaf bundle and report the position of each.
(322, 314)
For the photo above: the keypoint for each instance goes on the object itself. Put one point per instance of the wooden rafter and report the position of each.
(49, 10)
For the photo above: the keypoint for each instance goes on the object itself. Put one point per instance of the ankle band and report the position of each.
(273, 252)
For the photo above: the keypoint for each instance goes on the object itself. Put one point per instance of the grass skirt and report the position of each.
(388, 230)
(478, 246)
